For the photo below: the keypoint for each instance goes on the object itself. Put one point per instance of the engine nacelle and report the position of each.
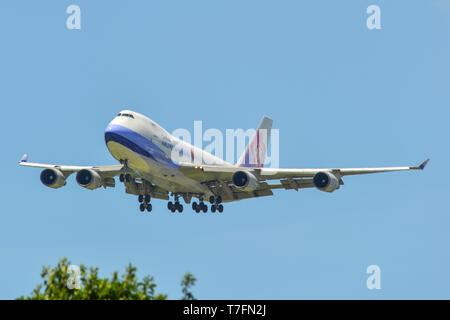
(89, 179)
(326, 181)
(245, 180)
(53, 178)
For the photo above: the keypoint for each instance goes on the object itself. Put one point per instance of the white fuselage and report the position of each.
(153, 153)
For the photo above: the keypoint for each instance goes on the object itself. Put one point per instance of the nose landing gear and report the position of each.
(125, 177)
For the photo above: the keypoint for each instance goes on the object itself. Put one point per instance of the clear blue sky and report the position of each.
(341, 95)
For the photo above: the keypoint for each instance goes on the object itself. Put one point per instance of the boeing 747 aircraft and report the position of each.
(150, 168)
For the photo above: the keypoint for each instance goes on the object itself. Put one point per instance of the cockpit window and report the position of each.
(125, 115)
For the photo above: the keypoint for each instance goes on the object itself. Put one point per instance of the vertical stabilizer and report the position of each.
(255, 152)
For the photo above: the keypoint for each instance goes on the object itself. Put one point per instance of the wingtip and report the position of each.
(424, 164)
(24, 158)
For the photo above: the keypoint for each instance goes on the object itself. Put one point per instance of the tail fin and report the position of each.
(255, 152)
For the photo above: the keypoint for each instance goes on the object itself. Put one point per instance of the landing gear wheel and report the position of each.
(204, 208)
(140, 198)
(212, 199)
(170, 205)
(147, 198)
(213, 208)
(180, 208)
(149, 207)
(197, 210)
(194, 206)
(121, 177)
(142, 207)
(220, 208)
(127, 178)
(218, 199)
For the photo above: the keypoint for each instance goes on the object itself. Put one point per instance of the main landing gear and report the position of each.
(201, 206)
(215, 205)
(218, 207)
(175, 206)
(145, 203)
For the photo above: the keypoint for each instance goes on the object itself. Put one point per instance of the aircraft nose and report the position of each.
(118, 133)
(109, 128)
(111, 132)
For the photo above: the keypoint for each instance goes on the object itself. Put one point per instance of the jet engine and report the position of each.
(53, 178)
(326, 181)
(245, 180)
(89, 179)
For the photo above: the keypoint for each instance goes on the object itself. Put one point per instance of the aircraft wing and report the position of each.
(218, 178)
(107, 174)
(274, 173)
(213, 172)
(103, 171)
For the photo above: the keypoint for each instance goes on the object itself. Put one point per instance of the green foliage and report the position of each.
(125, 287)
(186, 283)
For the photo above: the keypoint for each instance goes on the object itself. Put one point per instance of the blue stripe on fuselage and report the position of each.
(137, 143)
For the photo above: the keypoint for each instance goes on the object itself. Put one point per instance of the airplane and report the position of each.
(149, 168)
